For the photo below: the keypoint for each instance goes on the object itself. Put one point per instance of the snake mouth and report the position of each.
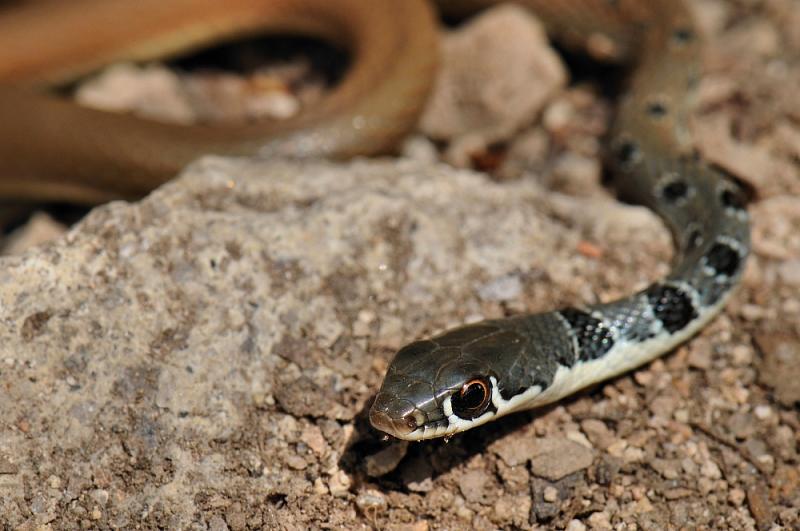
(398, 418)
(397, 427)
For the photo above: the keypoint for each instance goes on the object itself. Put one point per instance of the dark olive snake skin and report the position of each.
(468, 376)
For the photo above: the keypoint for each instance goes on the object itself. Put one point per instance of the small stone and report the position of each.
(643, 378)
(700, 354)
(689, 466)
(762, 412)
(598, 433)
(789, 271)
(780, 368)
(575, 525)
(760, 507)
(633, 455)
(678, 493)
(95, 514)
(736, 497)
(554, 458)
(710, 470)
(296, 462)
(471, 97)
(668, 468)
(663, 406)
(339, 483)
(216, 523)
(617, 448)
(742, 355)
(550, 494)
(742, 425)
(503, 288)
(514, 510)
(319, 487)
(472, 485)
(600, 520)
(312, 436)
(54, 482)
(371, 502)
(100, 496)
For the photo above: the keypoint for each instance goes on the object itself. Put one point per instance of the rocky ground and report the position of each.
(204, 358)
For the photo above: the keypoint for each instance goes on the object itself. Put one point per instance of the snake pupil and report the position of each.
(472, 400)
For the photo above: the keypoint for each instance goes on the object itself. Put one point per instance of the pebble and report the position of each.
(339, 483)
(760, 507)
(600, 520)
(216, 523)
(710, 470)
(700, 354)
(663, 406)
(742, 425)
(780, 367)
(370, 502)
(550, 494)
(513, 510)
(312, 436)
(551, 458)
(742, 355)
(503, 288)
(598, 433)
(668, 468)
(555, 458)
(296, 462)
(474, 95)
(100, 496)
(575, 525)
(736, 496)
(472, 485)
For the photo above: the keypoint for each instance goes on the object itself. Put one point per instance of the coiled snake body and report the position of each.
(467, 376)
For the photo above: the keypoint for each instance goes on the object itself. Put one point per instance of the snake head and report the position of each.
(438, 387)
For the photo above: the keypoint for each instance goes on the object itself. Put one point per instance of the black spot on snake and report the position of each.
(594, 338)
(675, 191)
(671, 306)
(723, 259)
(732, 198)
(627, 151)
(682, 35)
(657, 109)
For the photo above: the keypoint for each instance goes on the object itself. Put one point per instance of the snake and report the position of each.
(52, 148)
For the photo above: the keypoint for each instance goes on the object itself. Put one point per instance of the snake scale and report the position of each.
(463, 377)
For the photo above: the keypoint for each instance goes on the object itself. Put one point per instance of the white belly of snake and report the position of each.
(471, 375)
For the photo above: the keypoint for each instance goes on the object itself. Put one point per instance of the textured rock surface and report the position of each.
(221, 335)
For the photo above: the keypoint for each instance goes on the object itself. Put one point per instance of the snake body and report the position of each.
(473, 374)
(465, 377)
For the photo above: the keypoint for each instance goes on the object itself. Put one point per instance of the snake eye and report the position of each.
(472, 400)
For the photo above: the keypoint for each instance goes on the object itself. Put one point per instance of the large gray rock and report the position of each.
(199, 356)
